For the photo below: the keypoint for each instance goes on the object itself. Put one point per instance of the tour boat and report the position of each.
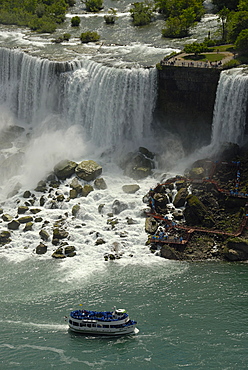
(116, 322)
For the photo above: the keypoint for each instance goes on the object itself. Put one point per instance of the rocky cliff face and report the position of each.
(186, 97)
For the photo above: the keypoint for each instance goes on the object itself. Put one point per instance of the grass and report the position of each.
(205, 57)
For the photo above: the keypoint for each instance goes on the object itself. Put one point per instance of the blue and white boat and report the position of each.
(116, 322)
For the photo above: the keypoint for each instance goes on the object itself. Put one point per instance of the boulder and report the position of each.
(5, 237)
(100, 184)
(76, 188)
(13, 225)
(169, 253)
(44, 234)
(86, 190)
(73, 194)
(88, 170)
(28, 226)
(118, 206)
(27, 194)
(25, 219)
(59, 253)
(130, 189)
(137, 165)
(22, 209)
(60, 233)
(180, 197)
(70, 251)
(41, 187)
(196, 213)
(151, 225)
(35, 210)
(6, 217)
(65, 169)
(41, 249)
(75, 210)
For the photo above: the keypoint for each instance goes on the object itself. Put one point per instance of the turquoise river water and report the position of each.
(190, 315)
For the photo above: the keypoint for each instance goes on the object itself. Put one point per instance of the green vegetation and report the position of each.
(141, 13)
(110, 18)
(242, 42)
(89, 37)
(39, 15)
(65, 37)
(93, 5)
(75, 21)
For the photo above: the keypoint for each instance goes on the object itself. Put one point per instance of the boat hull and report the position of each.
(101, 331)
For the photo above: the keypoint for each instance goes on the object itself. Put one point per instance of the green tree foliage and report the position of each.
(39, 15)
(195, 48)
(141, 13)
(237, 22)
(75, 21)
(243, 5)
(89, 37)
(223, 17)
(230, 4)
(179, 26)
(93, 5)
(241, 43)
(174, 8)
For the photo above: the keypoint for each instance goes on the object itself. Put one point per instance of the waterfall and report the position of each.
(230, 110)
(112, 105)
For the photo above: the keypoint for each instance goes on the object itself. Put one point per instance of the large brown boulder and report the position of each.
(180, 197)
(196, 213)
(65, 169)
(88, 170)
(138, 165)
(151, 225)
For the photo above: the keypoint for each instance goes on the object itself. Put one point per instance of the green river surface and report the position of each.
(190, 315)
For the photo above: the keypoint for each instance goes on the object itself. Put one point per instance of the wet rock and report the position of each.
(60, 198)
(196, 213)
(65, 169)
(169, 253)
(130, 189)
(35, 210)
(86, 190)
(25, 219)
(73, 194)
(41, 249)
(59, 253)
(100, 208)
(42, 201)
(5, 237)
(28, 226)
(27, 194)
(100, 184)
(118, 206)
(180, 198)
(41, 187)
(6, 217)
(100, 241)
(44, 234)
(70, 251)
(88, 170)
(13, 225)
(76, 190)
(137, 165)
(59, 233)
(22, 209)
(151, 225)
(75, 210)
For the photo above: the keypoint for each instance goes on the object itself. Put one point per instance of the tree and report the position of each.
(230, 4)
(75, 21)
(93, 5)
(195, 48)
(174, 8)
(237, 22)
(222, 17)
(241, 43)
(141, 13)
(89, 37)
(179, 26)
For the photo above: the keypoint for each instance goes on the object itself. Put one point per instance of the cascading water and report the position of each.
(112, 105)
(230, 110)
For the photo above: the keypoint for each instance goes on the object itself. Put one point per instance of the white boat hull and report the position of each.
(102, 331)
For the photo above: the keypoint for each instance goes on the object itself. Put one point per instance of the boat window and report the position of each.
(106, 326)
(89, 325)
(94, 325)
(99, 326)
(70, 321)
(75, 323)
(82, 324)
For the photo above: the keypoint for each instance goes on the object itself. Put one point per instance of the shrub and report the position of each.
(93, 5)
(75, 21)
(89, 37)
(110, 18)
(141, 13)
